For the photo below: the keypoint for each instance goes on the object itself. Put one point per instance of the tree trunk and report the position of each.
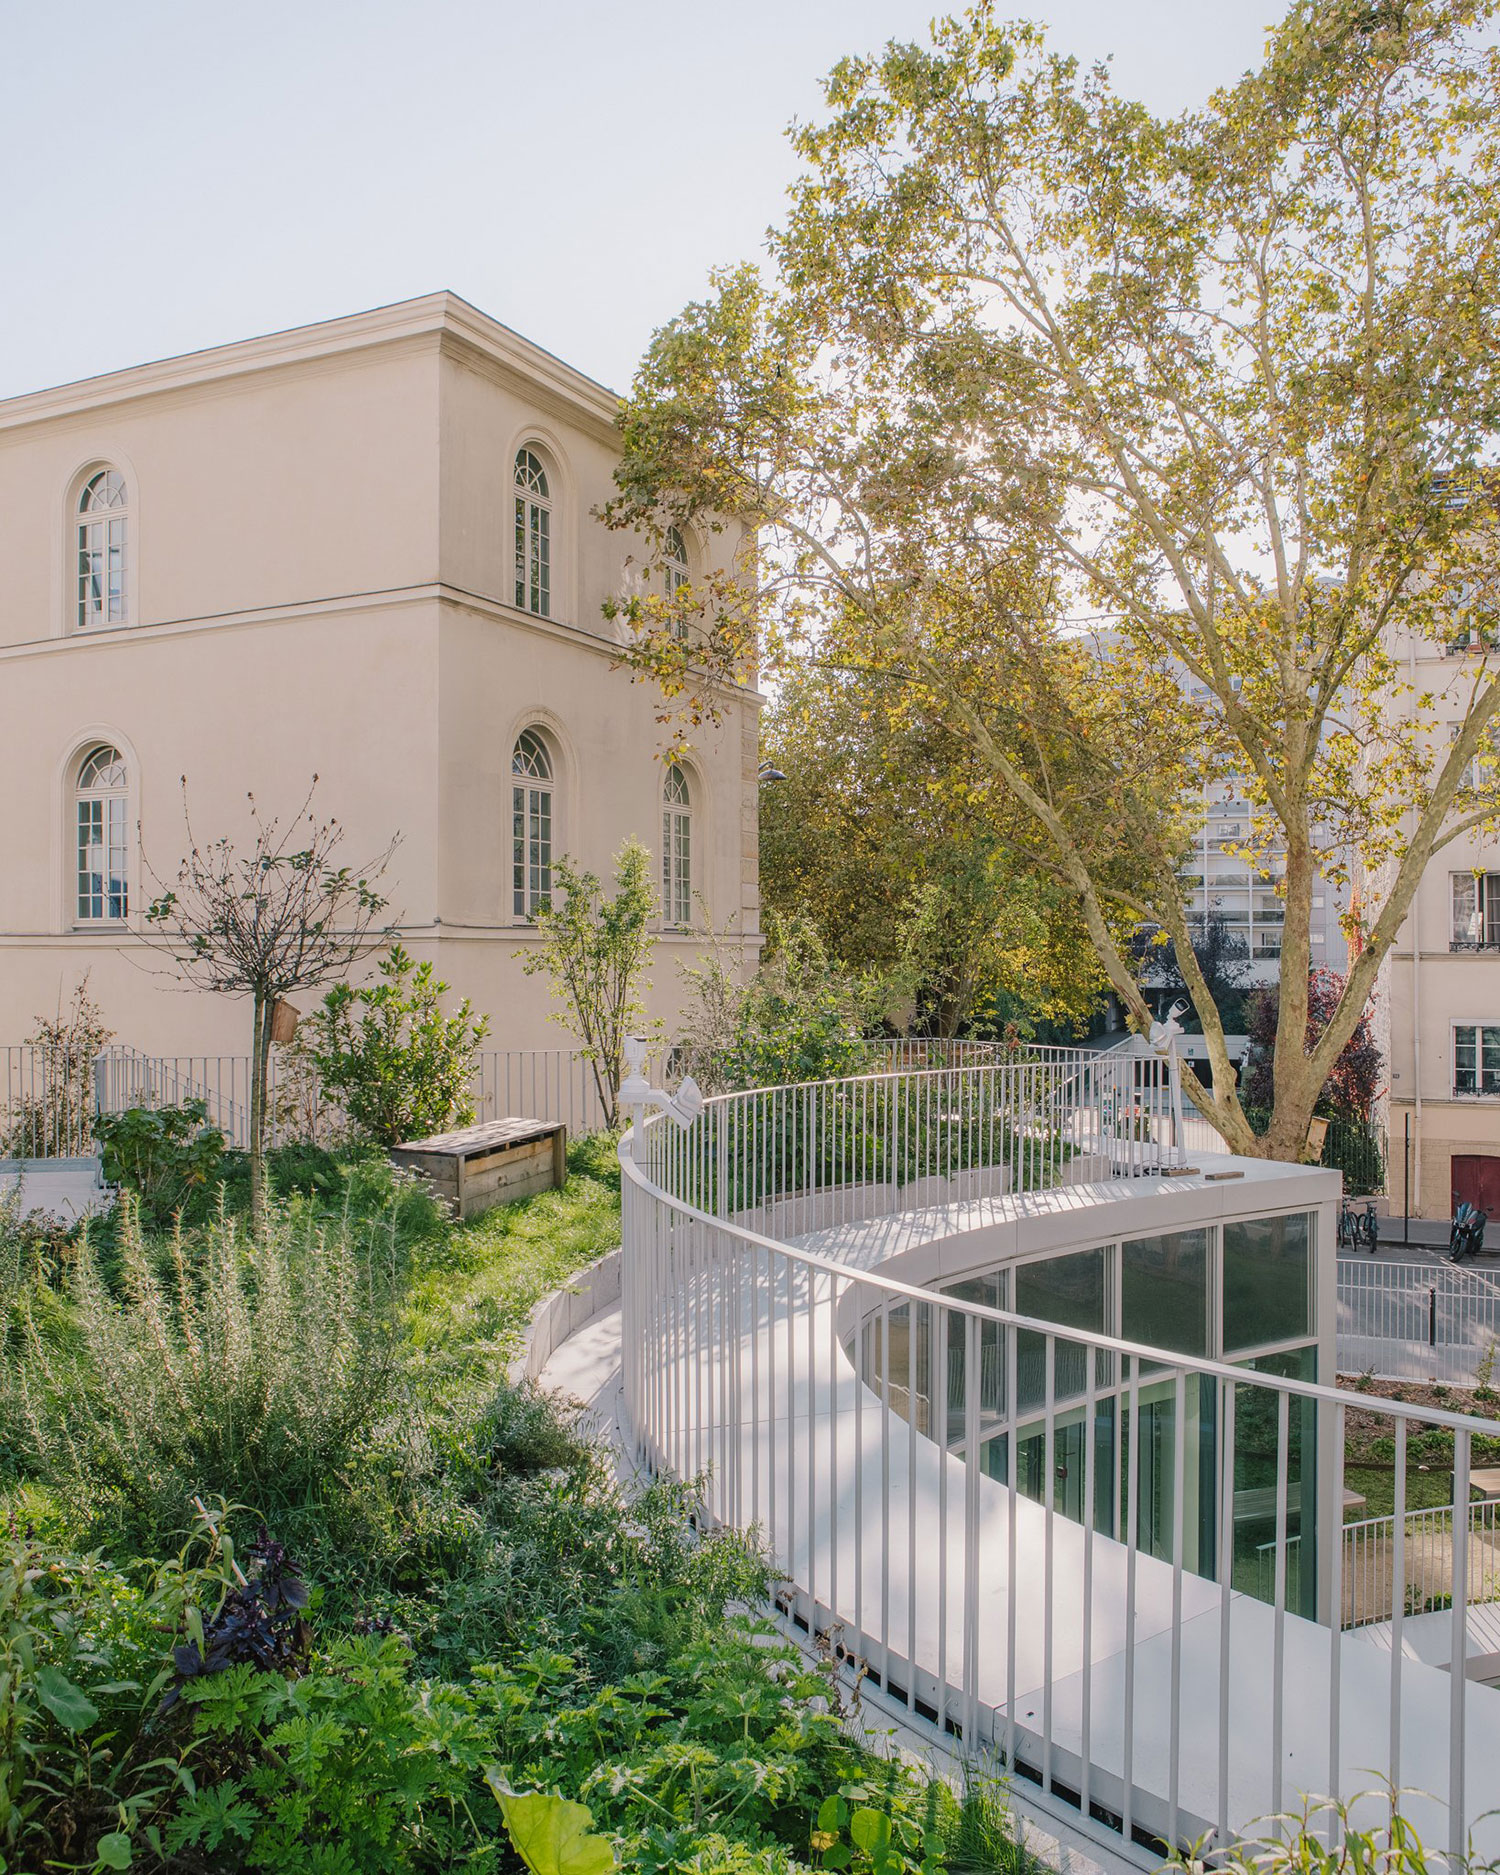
(260, 1069)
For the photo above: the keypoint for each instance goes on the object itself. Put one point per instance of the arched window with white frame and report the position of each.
(103, 550)
(531, 825)
(674, 571)
(676, 849)
(533, 535)
(101, 822)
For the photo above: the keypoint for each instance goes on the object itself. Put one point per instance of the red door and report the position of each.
(1476, 1176)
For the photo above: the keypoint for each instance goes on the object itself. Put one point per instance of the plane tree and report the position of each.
(1140, 450)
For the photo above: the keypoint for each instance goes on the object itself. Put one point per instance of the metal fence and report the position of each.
(1416, 1321)
(1406, 1557)
(873, 1433)
(47, 1104)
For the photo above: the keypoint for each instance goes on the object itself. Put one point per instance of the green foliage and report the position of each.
(595, 951)
(168, 1156)
(256, 1365)
(493, 1619)
(800, 1018)
(1025, 357)
(83, 1663)
(1325, 1838)
(551, 1835)
(397, 1065)
(887, 835)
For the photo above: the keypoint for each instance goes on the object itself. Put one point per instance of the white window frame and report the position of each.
(101, 537)
(674, 572)
(677, 849)
(100, 837)
(1477, 925)
(532, 805)
(534, 534)
(1479, 1026)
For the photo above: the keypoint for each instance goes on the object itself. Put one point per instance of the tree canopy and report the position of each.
(1139, 450)
(910, 861)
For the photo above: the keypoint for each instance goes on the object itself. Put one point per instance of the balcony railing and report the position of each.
(1039, 1541)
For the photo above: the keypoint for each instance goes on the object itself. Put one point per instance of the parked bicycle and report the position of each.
(1358, 1230)
(1466, 1237)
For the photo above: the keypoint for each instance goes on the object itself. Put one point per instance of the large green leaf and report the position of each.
(551, 1835)
(68, 1704)
(114, 1850)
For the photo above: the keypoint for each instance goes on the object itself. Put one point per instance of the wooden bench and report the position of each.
(495, 1163)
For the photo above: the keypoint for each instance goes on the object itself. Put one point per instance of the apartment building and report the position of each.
(1440, 997)
(367, 549)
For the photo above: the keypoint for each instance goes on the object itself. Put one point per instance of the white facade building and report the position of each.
(367, 549)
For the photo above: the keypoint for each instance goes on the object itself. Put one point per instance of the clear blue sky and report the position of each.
(178, 173)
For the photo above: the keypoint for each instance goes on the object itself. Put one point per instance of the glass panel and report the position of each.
(1158, 1477)
(520, 552)
(518, 851)
(1164, 1291)
(1255, 1444)
(990, 1291)
(117, 855)
(1465, 906)
(1068, 1290)
(1465, 1060)
(1267, 1280)
(90, 842)
(1491, 898)
(1490, 1061)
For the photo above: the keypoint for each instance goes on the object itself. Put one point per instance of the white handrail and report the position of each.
(1000, 1555)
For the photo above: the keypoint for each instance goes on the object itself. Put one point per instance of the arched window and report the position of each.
(676, 849)
(102, 800)
(531, 824)
(533, 535)
(674, 571)
(103, 540)
(674, 560)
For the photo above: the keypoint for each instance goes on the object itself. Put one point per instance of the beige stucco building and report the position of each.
(366, 549)
(1439, 999)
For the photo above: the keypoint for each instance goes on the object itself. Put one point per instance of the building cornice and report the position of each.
(429, 593)
(450, 323)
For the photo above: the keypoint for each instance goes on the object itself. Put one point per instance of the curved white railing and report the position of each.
(1037, 1539)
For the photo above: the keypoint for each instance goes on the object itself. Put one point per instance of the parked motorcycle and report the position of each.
(1466, 1237)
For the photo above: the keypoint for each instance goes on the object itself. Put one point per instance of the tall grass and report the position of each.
(260, 1367)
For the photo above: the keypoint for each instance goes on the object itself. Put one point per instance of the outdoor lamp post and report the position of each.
(637, 1094)
(1163, 1039)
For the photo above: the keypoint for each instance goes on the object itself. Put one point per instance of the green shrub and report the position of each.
(168, 1156)
(259, 1367)
(397, 1065)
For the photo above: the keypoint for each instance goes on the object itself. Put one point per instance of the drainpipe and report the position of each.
(1416, 978)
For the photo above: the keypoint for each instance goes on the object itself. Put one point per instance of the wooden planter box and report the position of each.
(496, 1163)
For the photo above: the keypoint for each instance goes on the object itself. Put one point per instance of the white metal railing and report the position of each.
(874, 1435)
(1121, 1113)
(1413, 1563)
(1417, 1321)
(46, 1103)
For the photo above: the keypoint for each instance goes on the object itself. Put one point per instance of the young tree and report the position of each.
(399, 1066)
(265, 921)
(1034, 362)
(595, 950)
